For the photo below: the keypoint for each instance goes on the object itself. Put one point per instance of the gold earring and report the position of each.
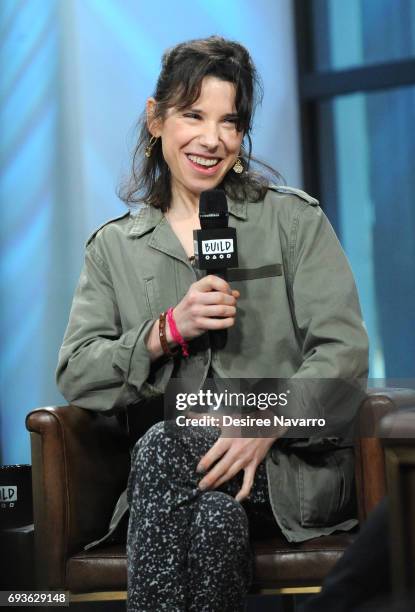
(150, 146)
(238, 167)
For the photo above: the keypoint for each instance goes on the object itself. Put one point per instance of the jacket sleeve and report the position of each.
(325, 300)
(100, 367)
(331, 380)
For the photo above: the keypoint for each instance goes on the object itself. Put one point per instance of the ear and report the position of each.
(154, 125)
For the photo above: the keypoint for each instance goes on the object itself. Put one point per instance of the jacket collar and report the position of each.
(148, 217)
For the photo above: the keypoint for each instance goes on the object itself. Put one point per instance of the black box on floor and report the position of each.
(17, 558)
(16, 528)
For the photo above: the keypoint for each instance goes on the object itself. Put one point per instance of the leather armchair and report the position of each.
(80, 465)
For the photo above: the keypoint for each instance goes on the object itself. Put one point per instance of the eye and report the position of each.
(231, 120)
(191, 115)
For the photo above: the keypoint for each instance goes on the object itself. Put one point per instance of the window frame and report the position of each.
(316, 86)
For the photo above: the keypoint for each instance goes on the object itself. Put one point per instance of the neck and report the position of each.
(184, 205)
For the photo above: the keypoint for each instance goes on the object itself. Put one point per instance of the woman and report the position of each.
(291, 311)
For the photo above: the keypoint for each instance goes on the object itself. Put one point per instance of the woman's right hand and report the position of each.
(206, 300)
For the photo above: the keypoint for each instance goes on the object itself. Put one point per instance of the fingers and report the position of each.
(215, 324)
(227, 467)
(218, 310)
(216, 297)
(247, 483)
(214, 453)
(233, 456)
(213, 283)
(209, 304)
(220, 474)
(230, 473)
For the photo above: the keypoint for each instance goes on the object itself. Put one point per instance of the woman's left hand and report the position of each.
(237, 454)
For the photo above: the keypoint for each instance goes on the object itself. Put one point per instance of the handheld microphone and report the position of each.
(215, 243)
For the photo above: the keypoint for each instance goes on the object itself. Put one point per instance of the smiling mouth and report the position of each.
(203, 161)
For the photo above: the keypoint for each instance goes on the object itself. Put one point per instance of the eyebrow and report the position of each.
(198, 110)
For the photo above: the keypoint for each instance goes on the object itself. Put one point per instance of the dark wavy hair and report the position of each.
(179, 85)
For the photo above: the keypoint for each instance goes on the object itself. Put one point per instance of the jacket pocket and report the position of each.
(239, 274)
(326, 488)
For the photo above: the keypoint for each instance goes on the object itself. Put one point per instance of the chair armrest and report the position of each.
(80, 465)
(399, 429)
(370, 458)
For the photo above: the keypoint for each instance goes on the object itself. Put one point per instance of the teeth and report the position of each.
(202, 161)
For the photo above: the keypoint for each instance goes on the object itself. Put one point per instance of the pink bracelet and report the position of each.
(177, 337)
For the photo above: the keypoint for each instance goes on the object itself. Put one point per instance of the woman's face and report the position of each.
(200, 144)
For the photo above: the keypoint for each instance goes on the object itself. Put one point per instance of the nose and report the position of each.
(209, 136)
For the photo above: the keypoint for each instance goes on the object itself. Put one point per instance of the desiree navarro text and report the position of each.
(247, 421)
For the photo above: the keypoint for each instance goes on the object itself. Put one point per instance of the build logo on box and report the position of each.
(8, 495)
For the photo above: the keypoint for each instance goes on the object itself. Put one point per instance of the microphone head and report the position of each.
(213, 209)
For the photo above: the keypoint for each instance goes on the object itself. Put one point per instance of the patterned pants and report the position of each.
(187, 549)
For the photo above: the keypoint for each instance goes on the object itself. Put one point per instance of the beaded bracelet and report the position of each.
(177, 337)
(162, 336)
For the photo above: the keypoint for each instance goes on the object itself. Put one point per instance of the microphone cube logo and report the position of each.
(218, 248)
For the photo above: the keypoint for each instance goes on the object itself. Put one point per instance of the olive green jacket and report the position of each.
(298, 317)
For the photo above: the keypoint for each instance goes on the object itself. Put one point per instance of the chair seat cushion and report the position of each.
(277, 564)
(100, 569)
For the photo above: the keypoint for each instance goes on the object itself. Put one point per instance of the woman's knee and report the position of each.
(222, 519)
(163, 444)
(159, 451)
